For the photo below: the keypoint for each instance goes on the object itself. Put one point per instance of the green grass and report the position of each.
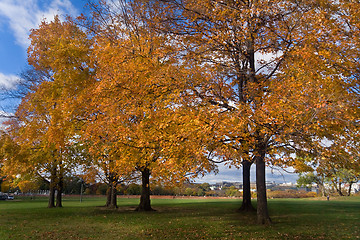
(179, 219)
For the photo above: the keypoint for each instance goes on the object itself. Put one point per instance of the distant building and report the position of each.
(221, 185)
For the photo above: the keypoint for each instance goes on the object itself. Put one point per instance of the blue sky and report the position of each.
(17, 17)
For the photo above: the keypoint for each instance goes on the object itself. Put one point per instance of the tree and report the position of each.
(344, 176)
(45, 123)
(306, 180)
(3, 139)
(1, 181)
(205, 187)
(335, 162)
(136, 117)
(267, 67)
(101, 165)
(330, 172)
(64, 50)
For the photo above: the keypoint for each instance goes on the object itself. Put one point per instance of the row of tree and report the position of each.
(336, 180)
(168, 89)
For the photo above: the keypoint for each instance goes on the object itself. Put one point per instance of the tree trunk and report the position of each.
(144, 204)
(339, 189)
(51, 203)
(108, 196)
(52, 185)
(111, 198)
(262, 209)
(350, 186)
(113, 202)
(246, 205)
(321, 188)
(60, 185)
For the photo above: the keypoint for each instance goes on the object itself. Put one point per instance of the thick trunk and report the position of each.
(59, 191)
(246, 205)
(112, 191)
(144, 204)
(262, 209)
(111, 196)
(113, 202)
(52, 186)
(51, 203)
(108, 196)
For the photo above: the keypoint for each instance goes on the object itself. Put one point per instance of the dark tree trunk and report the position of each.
(144, 204)
(113, 202)
(350, 186)
(52, 186)
(246, 205)
(111, 196)
(339, 189)
(262, 208)
(51, 203)
(60, 185)
(108, 196)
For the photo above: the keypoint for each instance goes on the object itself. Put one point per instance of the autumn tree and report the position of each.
(100, 164)
(336, 163)
(45, 121)
(18, 164)
(136, 104)
(334, 59)
(339, 162)
(272, 69)
(63, 50)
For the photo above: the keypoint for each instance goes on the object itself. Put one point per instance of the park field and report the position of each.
(204, 218)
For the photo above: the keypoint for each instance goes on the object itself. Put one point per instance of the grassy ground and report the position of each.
(179, 219)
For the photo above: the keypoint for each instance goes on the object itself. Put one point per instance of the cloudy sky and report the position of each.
(17, 17)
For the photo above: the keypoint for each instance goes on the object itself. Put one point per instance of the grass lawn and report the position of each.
(179, 219)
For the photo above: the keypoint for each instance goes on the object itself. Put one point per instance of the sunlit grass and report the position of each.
(179, 219)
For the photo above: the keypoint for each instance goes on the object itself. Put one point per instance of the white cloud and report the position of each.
(8, 81)
(24, 15)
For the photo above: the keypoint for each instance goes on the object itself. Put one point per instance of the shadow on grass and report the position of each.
(179, 219)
